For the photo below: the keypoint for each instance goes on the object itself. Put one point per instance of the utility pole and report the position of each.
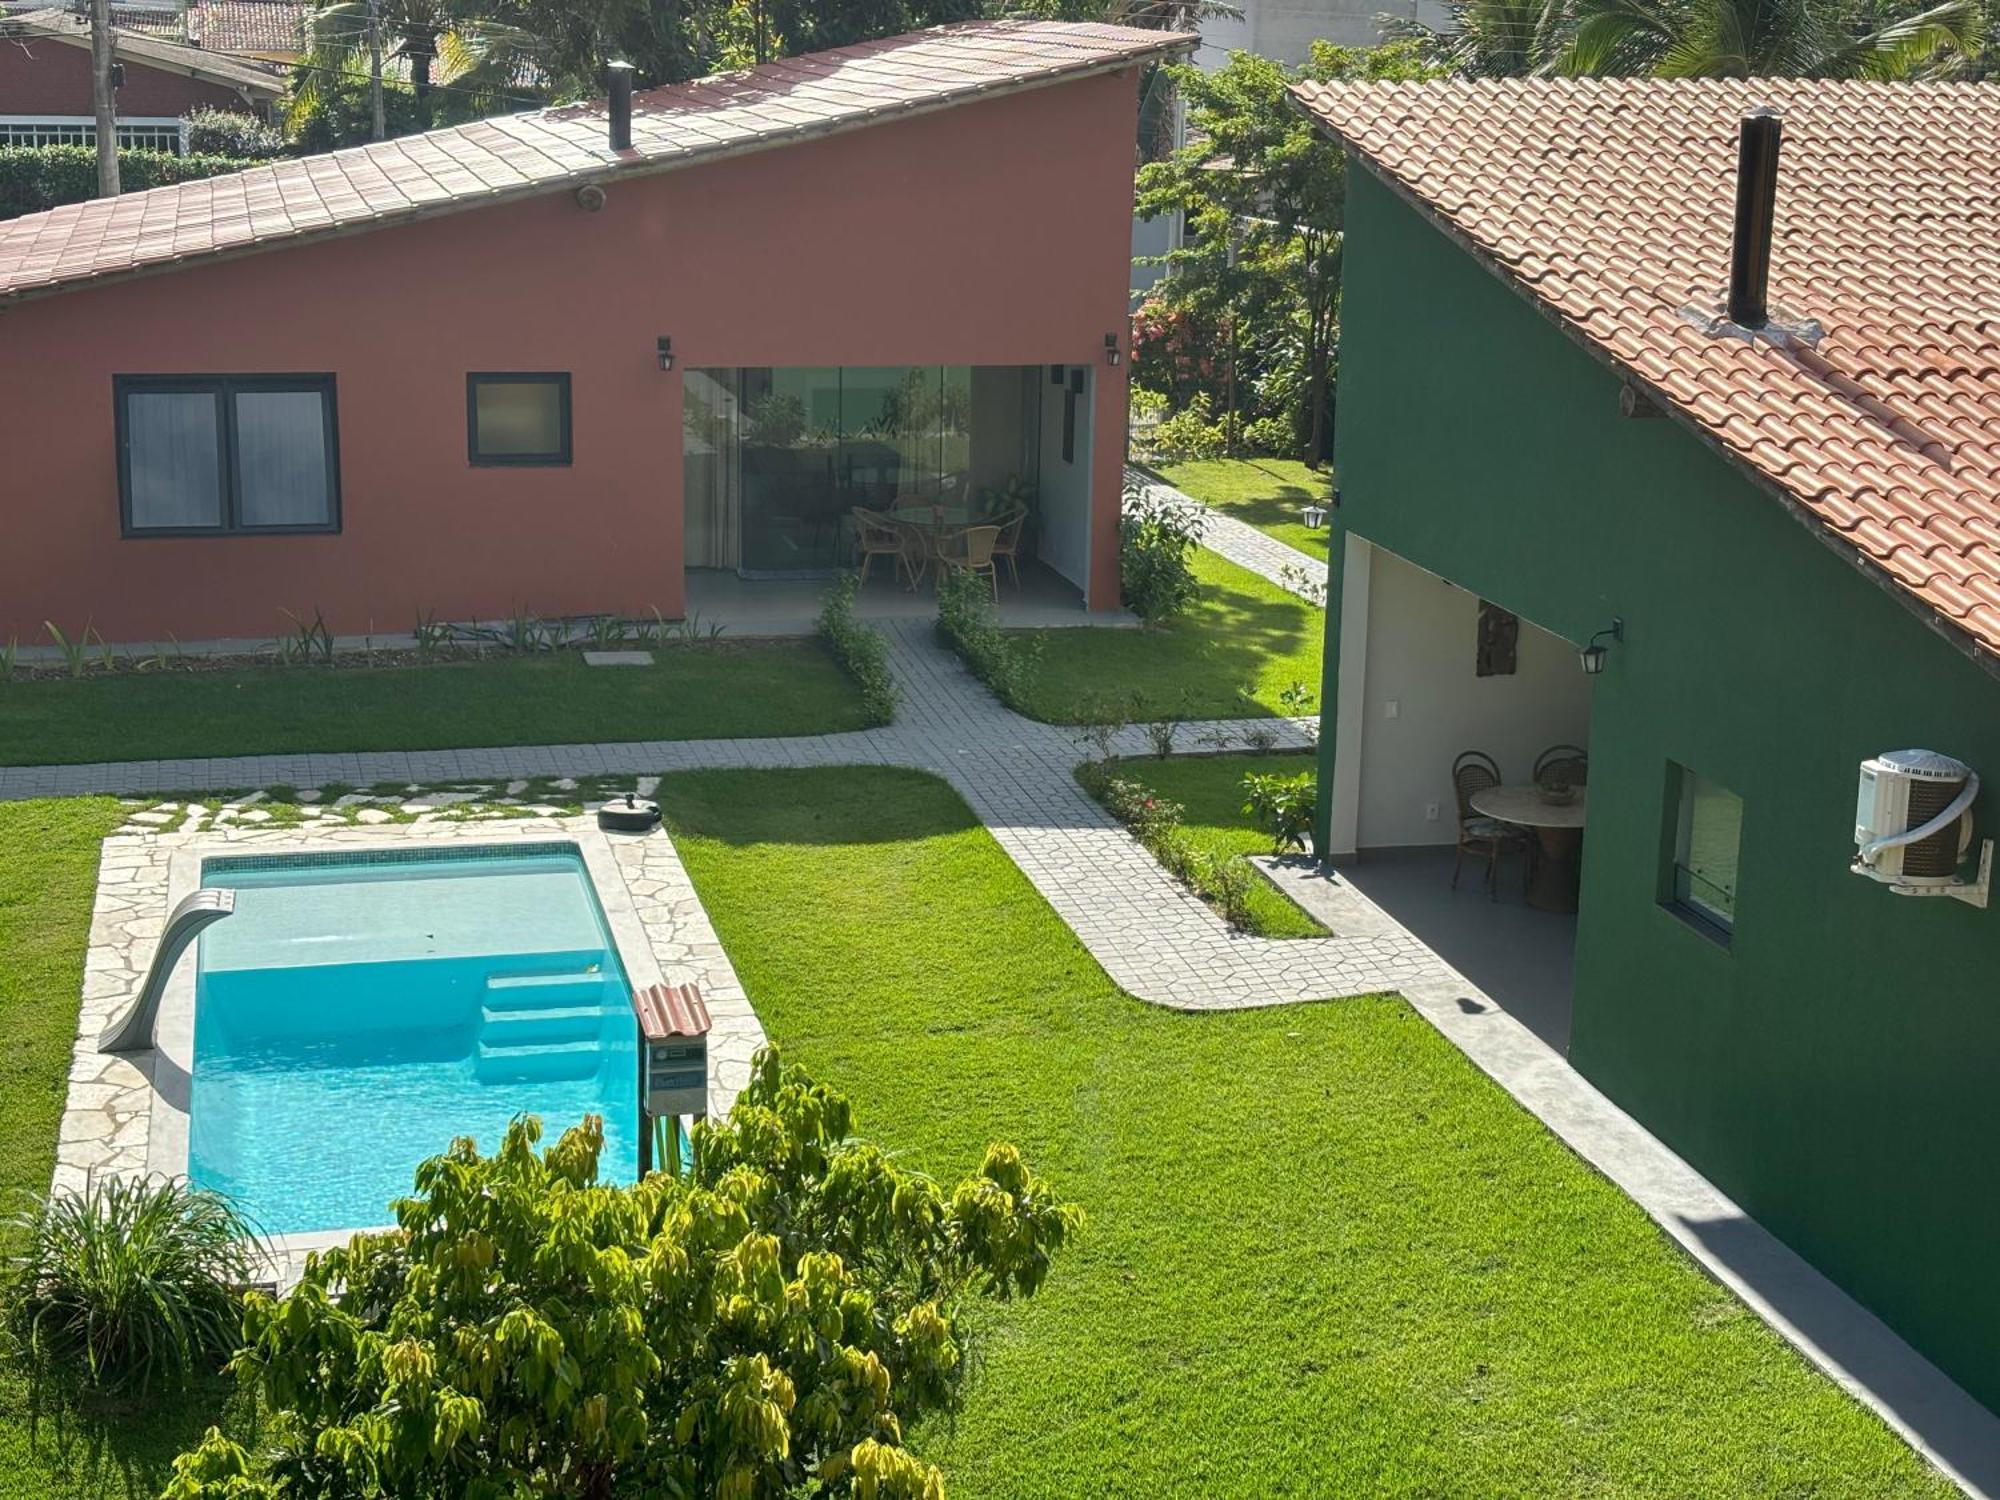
(104, 97)
(381, 122)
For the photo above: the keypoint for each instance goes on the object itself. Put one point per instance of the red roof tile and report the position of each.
(551, 149)
(1610, 203)
(262, 27)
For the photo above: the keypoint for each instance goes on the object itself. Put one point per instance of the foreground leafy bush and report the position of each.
(1156, 543)
(1283, 805)
(127, 1284)
(760, 1328)
(33, 178)
(862, 651)
(1005, 663)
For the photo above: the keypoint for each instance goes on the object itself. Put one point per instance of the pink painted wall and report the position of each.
(993, 233)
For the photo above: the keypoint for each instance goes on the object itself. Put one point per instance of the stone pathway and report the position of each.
(1239, 542)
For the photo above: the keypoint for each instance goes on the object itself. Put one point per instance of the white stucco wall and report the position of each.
(1421, 702)
(1065, 487)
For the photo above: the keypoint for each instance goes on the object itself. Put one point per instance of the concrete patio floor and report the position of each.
(790, 606)
(1522, 959)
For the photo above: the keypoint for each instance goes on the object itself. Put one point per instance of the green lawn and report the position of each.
(721, 691)
(48, 877)
(1325, 1256)
(1210, 788)
(1266, 492)
(1241, 645)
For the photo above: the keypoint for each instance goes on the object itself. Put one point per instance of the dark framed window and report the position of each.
(517, 418)
(222, 454)
(1704, 840)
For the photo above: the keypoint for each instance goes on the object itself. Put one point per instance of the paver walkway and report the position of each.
(1239, 542)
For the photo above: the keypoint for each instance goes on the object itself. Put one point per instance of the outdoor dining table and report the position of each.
(1558, 829)
(931, 524)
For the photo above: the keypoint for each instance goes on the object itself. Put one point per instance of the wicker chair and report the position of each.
(971, 551)
(1574, 760)
(1478, 835)
(1009, 546)
(878, 535)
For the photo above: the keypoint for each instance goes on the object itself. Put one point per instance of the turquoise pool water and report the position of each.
(352, 1017)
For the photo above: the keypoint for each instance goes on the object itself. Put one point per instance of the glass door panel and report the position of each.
(792, 502)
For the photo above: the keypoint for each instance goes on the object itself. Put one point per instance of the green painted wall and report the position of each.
(1834, 1070)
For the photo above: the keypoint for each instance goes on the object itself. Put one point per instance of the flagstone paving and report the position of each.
(1239, 542)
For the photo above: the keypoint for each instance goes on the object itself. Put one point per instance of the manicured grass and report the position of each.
(1230, 656)
(1325, 1255)
(1210, 789)
(692, 692)
(48, 878)
(1266, 492)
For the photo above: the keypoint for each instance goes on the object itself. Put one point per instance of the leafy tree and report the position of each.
(1769, 38)
(761, 1328)
(1888, 39)
(1262, 191)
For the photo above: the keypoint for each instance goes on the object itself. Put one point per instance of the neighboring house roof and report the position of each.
(146, 50)
(1610, 204)
(266, 28)
(513, 156)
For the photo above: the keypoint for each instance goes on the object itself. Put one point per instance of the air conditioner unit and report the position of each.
(1913, 825)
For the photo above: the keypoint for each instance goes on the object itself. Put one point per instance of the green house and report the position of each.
(1775, 516)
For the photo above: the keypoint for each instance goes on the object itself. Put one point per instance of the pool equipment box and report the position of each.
(673, 1050)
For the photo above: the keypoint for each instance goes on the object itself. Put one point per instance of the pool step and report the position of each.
(544, 991)
(562, 1023)
(536, 1062)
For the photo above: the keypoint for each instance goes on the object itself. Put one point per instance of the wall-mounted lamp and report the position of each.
(1592, 655)
(666, 352)
(1111, 354)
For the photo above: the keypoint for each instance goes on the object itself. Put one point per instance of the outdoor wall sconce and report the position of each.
(1592, 655)
(666, 352)
(1315, 515)
(1111, 355)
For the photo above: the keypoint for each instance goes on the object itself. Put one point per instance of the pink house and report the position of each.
(530, 363)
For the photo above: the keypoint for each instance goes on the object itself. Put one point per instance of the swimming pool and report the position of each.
(361, 1009)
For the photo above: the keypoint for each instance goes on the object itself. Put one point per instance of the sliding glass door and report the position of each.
(784, 456)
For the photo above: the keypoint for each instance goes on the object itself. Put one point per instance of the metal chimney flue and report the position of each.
(620, 75)
(1756, 207)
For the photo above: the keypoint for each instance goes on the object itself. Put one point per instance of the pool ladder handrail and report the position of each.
(133, 1031)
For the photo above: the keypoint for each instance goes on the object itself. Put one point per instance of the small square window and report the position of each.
(517, 419)
(1707, 831)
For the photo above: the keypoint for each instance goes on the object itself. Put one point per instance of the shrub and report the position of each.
(1283, 805)
(1271, 435)
(1143, 403)
(33, 178)
(1156, 543)
(1005, 663)
(1190, 433)
(1222, 881)
(764, 1326)
(230, 132)
(861, 650)
(127, 1283)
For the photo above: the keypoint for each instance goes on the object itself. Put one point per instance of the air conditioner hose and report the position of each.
(1939, 824)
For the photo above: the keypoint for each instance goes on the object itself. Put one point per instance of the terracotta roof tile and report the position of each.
(550, 149)
(1611, 203)
(274, 28)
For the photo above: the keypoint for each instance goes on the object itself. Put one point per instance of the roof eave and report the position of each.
(1941, 625)
(616, 171)
(161, 56)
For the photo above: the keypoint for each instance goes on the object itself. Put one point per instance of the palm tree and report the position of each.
(1505, 38)
(1769, 38)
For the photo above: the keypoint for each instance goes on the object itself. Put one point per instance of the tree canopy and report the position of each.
(761, 1329)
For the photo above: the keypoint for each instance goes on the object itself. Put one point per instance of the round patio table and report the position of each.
(929, 524)
(1559, 831)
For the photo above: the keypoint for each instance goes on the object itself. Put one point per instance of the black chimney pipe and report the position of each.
(1756, 204)
(620, 74)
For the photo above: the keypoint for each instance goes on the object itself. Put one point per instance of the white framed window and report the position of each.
(137, 133)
